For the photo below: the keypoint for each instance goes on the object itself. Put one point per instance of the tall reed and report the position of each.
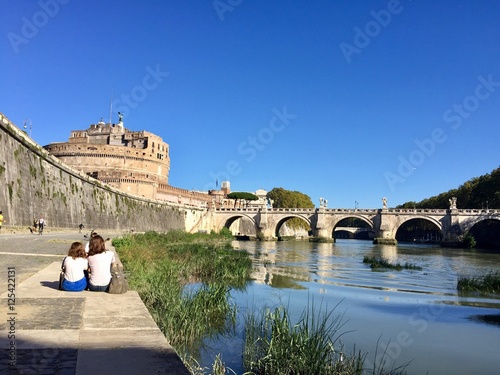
(161, 266)
(275, 345)
(487, 283)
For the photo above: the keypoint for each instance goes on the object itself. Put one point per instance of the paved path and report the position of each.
(80, 333)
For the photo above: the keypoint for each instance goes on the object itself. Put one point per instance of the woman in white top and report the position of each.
(75, 266)
(100, 262)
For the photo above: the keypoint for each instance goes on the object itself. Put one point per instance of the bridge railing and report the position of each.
(299, 210)
(426, 211)
(353, 211)
(418, 211)
(238, 209)
(479, 211)
(257, 209)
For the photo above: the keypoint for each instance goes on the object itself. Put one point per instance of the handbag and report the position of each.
(61, 274)
(118, 283)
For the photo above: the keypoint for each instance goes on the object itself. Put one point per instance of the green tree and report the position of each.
(242, 196)
(283, 198)
(478, 192)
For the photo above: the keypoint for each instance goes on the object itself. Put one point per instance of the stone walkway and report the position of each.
(56, 332)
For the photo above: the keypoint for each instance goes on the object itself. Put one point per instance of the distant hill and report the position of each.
(478, 192)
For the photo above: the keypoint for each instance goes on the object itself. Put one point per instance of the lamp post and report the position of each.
(25, 126)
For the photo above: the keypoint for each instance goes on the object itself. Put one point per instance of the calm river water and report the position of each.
(415, 316)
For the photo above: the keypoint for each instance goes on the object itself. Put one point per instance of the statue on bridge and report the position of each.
(323, 202)
(453, 203)
(384, 202)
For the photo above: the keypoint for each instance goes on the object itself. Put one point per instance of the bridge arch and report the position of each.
(405, 220)
(485, 232)
(336, 221)
(469, 224)
(226, 222)
(284, 219)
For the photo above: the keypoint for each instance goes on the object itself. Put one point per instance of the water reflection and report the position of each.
(444, 331)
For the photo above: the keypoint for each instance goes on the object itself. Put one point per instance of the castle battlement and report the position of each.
(133, 161)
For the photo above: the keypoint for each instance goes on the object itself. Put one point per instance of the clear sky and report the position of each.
(347, 100)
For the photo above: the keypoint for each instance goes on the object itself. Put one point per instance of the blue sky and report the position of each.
(346, 100)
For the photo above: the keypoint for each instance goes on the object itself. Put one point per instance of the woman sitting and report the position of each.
(100, 262)
(75, 266)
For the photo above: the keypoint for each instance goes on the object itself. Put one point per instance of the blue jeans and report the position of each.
(74, 286)
(98, 288)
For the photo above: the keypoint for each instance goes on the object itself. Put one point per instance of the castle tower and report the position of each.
(133, 161)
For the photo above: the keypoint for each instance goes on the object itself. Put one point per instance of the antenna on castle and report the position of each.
(111, 106)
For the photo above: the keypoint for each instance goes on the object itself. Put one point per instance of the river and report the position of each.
(414, 316)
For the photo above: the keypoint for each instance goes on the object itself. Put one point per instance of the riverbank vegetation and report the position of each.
(184, 281)
(381, 262)
(274, 345)
(488, 283)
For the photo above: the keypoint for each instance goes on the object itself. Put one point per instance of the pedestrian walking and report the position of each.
(41, 224)
(1, 221)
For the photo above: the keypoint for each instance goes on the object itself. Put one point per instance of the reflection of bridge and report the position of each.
(452, 223)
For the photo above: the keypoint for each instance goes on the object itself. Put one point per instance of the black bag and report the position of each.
(61, 274)
(118, 283)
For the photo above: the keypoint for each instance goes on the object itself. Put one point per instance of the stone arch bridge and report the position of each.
(452, 223)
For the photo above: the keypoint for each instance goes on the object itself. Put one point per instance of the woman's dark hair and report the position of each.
(96, 245)
(77, 250)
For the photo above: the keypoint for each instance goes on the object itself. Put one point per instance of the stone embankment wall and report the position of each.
(34, 183)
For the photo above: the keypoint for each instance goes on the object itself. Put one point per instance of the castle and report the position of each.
(136, 162)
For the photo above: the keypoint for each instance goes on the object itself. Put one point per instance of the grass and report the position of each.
(488, 283)
(380, 262)
(184, 280)
(275, 345)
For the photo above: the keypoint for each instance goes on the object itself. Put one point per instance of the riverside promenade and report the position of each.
(47, 331)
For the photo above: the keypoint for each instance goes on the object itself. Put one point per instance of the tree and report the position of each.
(241, 195)
(478, 192)
(283, 198)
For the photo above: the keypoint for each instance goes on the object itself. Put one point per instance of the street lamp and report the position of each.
(25, 126)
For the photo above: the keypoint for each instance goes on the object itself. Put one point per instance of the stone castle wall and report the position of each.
(36, 184)
(132, 161)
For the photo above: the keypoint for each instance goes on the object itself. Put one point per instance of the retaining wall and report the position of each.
(34, 183)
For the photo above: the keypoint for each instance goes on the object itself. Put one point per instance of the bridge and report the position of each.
(453, 223)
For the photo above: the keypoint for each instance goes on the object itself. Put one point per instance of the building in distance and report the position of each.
(136, 162)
